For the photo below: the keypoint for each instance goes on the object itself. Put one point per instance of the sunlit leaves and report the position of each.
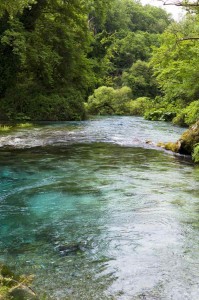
(176, 62)
(13, 6)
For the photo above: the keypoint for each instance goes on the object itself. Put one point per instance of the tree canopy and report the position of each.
(62, 50)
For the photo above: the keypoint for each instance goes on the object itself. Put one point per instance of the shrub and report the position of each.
(189, 115)
(38, 105)
(192, 113)
(139, 106)
(160, 115)
(4, 128)
(108, 101)
(195, 154)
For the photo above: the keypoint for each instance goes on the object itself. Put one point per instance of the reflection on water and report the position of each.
(100, 219)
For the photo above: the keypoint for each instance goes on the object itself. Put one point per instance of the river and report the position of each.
(95, 211)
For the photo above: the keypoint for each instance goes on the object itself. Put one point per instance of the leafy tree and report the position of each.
(12, 7)
(51, 49)
(176, 62)
(126, 50)
(45, 52)
(107, 100)
(129, 33)
(141, 80)
(148, 18)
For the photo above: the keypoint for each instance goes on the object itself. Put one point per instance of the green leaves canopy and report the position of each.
(176, 62)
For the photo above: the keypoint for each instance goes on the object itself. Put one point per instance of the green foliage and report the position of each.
(106, 100)
(49, 47)
(192, 113)
(125, 50)
(139, 106)
(12, 6)
(195, 154)
(44, 51)
(176, 62)
(31, 104)
(129, 34)
(160, 115)
(188, 115)
(140, 79)
(24, 125)
(5, 128)
(130, 15)
(163, 110)
(56, 107)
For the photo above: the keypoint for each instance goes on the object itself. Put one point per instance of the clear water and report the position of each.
(95, 212)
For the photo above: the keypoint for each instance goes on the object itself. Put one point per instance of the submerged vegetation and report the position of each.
(4, 128)
(7, 128)
(15, 287)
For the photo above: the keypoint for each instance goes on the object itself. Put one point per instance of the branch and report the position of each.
(181, 3)
(189, 38)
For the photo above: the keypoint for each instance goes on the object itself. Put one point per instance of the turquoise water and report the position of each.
(95, 212)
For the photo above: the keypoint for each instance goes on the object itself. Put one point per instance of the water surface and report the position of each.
(95, 212)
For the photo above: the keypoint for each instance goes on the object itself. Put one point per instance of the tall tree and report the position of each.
(176, 62)
(12, 6)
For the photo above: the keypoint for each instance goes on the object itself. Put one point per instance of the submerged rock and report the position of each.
(22, 292)
(69, 249)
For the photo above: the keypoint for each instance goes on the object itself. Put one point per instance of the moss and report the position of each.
(174, 147)
(187, 144)
(10, 282)
(189, 139)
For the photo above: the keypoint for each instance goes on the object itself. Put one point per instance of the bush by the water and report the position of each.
(30, 104)
(109, 101)
(189, 115)
(195, 154)
(139, 106)
(159, 115)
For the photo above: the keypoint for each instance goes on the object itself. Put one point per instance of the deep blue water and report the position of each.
(95, 212)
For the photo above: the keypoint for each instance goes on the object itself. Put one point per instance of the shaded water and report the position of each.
(96, 213)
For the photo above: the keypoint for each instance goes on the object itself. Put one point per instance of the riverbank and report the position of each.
(187, 144)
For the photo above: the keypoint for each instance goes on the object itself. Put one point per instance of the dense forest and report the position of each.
(63, 59)
(93, 208)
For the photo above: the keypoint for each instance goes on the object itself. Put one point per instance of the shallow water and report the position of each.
(95, 212)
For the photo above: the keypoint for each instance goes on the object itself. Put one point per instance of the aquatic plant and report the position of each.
(13, 286)
(24, 125)
(5, 128)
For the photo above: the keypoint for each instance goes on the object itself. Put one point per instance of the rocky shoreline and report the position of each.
(188, 144)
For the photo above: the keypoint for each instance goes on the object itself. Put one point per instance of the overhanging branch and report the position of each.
(181, 3)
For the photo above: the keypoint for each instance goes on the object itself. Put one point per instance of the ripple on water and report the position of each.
(125, 217)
